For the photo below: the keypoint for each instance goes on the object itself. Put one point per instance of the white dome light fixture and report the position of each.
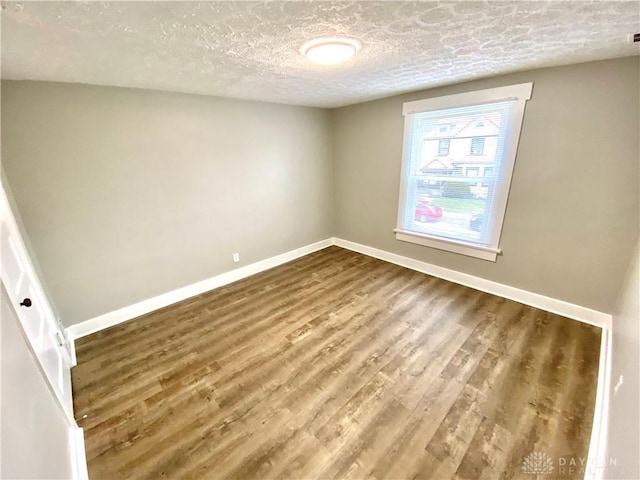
(330, 51)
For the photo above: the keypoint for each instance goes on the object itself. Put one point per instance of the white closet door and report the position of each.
(37, 439)
(42, 331)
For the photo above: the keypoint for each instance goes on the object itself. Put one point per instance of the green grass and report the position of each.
(459, 205)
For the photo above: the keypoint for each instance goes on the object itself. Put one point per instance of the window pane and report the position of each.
(456, 202)
(443, 147)
(477, 146)
(452, 195)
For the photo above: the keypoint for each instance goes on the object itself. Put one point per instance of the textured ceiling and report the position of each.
(251, 49)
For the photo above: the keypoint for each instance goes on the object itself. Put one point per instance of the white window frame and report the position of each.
(520, 93)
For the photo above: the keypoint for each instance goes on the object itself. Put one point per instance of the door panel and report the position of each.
(42, 330)
(37, 439)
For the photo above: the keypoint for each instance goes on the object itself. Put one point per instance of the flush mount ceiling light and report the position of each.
(330, 51)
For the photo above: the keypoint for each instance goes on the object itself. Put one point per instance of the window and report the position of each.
(477, 146)
(458, 203)
(472, 171)
(443, 147)
(488, 174)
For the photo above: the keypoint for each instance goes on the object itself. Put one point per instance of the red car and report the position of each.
(426, 212)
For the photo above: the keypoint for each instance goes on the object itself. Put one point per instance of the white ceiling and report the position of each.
(251, 49)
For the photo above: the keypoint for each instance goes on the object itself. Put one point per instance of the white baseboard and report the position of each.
(549, 304)
(566, 309)
(596, 460)
(79, 465)
(137, 309)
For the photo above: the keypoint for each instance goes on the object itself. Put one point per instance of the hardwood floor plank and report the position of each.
(335, 365)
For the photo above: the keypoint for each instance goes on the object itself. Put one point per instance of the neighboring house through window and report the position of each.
(458, 203)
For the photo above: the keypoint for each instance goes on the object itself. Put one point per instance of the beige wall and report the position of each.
(127, 194)
(624, 417)
(572, 216)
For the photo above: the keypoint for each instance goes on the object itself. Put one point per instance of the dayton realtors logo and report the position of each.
(537, 463)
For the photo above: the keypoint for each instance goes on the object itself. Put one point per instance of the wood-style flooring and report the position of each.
(336, 365)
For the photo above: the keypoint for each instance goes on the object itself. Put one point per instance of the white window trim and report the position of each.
(450, 245)
(521, 93)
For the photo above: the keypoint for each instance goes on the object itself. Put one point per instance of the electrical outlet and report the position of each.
(236, 257)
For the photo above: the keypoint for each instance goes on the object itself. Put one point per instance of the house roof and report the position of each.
(469, 127)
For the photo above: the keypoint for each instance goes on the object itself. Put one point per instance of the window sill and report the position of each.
(484, 253)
